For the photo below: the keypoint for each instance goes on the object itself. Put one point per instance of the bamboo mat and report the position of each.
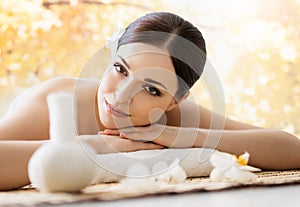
(113, 191)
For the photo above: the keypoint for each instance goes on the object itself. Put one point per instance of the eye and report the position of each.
(119, 68)
(152, 90)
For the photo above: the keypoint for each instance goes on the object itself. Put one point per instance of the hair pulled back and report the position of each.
(183, 41)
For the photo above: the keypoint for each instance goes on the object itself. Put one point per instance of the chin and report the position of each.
(108, 123)
(115, 123)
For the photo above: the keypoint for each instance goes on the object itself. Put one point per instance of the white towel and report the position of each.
(194, 161)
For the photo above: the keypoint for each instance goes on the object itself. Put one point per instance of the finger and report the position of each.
(110, 132)
(145, 133)
(137, 136)
(117, 144)
(130, 130)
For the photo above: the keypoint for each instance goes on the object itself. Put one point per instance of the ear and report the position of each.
(175, 102)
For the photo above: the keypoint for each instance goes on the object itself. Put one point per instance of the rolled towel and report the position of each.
(194, 161)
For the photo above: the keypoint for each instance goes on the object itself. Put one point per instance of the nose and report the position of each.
(126, 90)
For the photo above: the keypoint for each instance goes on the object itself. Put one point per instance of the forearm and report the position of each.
(14, 158)
(269, 149)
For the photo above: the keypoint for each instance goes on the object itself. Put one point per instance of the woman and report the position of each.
(142, 96)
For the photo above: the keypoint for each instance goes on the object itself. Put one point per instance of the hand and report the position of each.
(110, 144)
(169, 136)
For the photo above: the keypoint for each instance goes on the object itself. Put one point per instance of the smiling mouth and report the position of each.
(109, 108)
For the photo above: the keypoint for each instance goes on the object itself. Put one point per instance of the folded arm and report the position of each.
(191, 125)
(190, 114)
(269, 149)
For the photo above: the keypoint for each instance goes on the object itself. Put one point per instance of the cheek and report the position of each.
(109, 82)
(145, 106)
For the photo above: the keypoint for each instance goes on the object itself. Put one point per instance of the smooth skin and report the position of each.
(26, 128)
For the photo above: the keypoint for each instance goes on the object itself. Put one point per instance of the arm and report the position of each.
(14, 158)
(197, 116)
(27, 122)
(269, 149)
(21, 133)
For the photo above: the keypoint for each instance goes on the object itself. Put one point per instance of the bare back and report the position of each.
(30, 118)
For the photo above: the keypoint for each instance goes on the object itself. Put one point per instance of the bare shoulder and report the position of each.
(29, 120)
(40, 91)
(67, 84)
(186, 114)
(57, 84)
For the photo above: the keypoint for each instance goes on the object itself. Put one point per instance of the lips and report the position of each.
(109, 108)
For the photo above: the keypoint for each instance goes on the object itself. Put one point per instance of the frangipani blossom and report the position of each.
(112, 42)
(139, 176)
(228, 167)
(169, 174)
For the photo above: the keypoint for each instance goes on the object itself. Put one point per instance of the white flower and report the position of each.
(169, 174)
(112, 42)
(228, 167)
(140, 177)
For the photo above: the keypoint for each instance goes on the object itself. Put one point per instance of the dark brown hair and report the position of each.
(183, 41)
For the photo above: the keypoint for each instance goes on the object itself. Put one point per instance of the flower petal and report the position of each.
(172, 174)
(178, 175)
(243, 159)
(218, 174)
(138, 176)
(113, 41)
(222, 159)
(249, 168)
(235, 174)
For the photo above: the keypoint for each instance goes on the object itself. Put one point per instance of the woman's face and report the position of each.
(137, 88)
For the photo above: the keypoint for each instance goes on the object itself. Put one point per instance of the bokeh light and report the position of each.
(253, 44)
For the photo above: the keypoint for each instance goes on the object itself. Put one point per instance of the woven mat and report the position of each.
(114, 191)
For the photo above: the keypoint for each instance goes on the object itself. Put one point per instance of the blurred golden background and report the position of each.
(253, 45)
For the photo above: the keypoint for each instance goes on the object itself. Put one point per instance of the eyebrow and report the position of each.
(155, 82)
(124, 61)
(145, 79)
